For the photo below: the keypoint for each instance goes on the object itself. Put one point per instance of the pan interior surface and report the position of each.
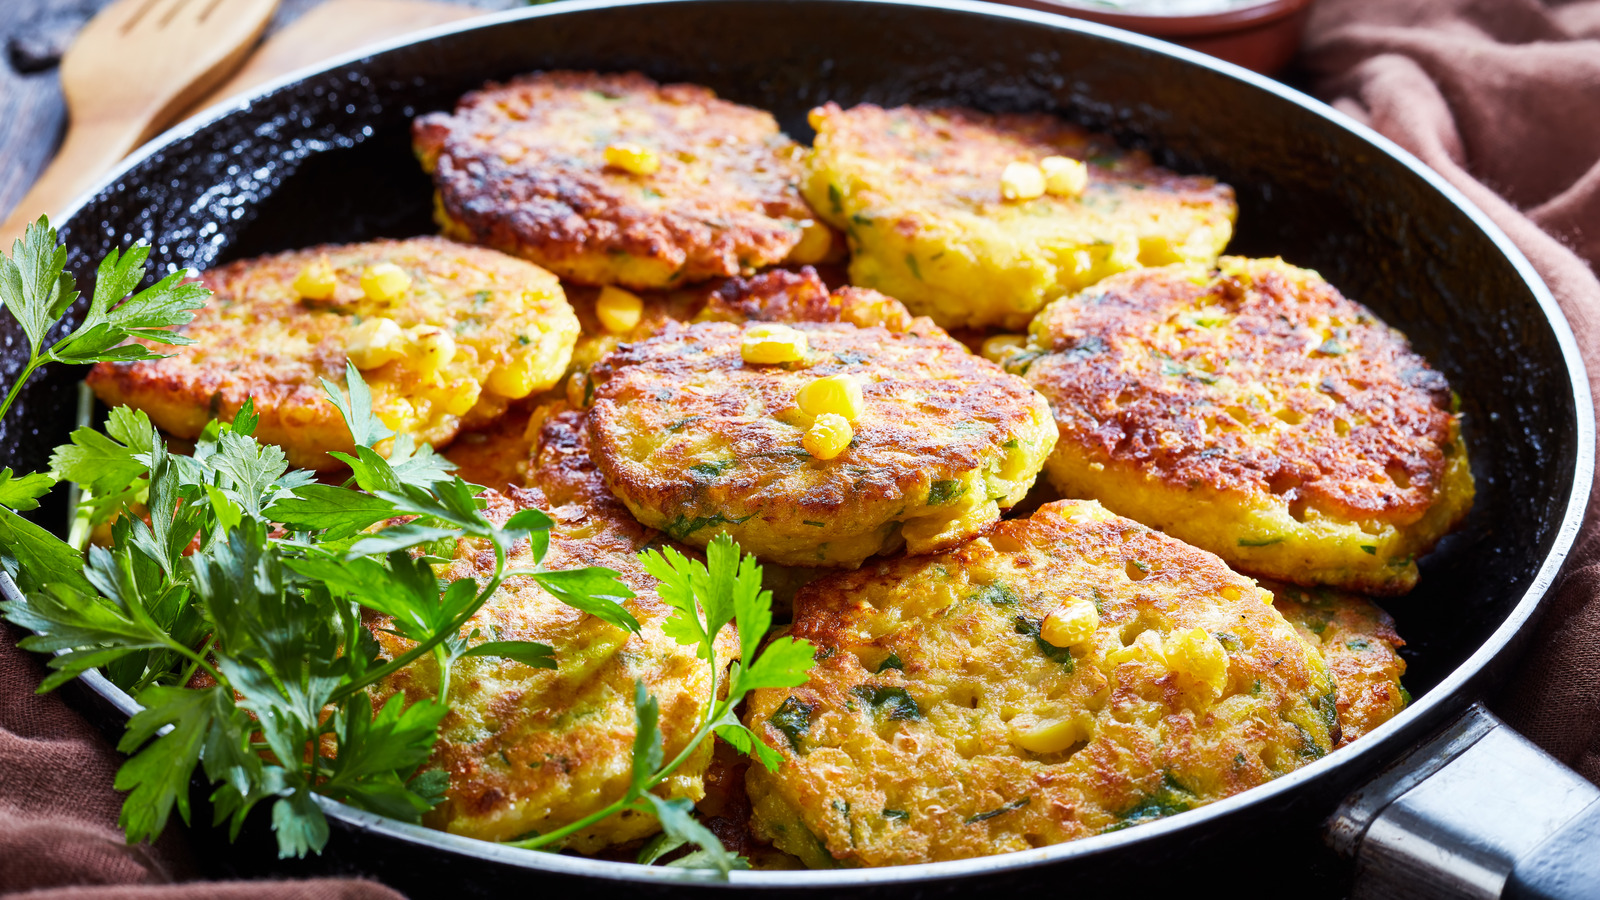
(327, 159)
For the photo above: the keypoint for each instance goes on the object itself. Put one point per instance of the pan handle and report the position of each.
(1478, 811)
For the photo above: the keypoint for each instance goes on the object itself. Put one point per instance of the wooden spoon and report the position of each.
(129, 73)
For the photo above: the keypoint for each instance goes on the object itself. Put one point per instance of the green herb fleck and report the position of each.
(1263, 542)
(911, 263)
(985, 816)
(793, 718)
(945, 491)
(1033, 629)
(681, 527)
(711, 469)
(893, 702)
(1020, 363)
(1170, 799)
(892, 661)
(995, 593)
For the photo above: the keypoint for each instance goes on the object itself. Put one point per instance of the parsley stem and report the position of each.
(195, 664)
(197, 659)
(442, 657)
(16, 388)
(713, 713)
(434, 640)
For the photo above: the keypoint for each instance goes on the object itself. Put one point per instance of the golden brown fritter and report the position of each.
(776, 295)
(529, 749)
(918, 191)
(522, 167)
(1255, 412)
(471, 330)
(947, 717)
(1359, 644)
(696, 441)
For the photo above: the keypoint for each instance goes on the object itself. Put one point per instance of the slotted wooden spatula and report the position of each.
(131, 71)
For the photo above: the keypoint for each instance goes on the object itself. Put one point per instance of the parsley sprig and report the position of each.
(248, 580)
(36, 288)
(705, 598)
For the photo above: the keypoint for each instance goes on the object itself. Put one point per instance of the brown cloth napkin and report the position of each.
(1502, 97)
(58, 812)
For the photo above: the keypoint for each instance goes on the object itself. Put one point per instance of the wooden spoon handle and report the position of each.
(90, 150)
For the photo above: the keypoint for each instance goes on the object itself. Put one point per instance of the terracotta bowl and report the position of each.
(1259, 36)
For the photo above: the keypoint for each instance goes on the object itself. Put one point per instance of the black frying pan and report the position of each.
(326, 157)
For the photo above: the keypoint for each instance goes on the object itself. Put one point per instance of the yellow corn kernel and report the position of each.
(618, 310)
(772, 344)
(828, 436)
(1200, 657)
(1049, 735)
(815, 242)
(512, 379)
(384, 281)
(1021, 181)
(374, 342)
(838, 394)
(997, 348)
(399, 414)
(1070, 624)
(633, 158)
(1146, 647)
(1064, 176)
(316, 281)
(460, 396)
(1005, 542)
(433, 348)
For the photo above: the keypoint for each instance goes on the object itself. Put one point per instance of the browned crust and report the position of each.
(520, 166)
(1130, 380)
(1359, 642)
(802, 295)
(563, 467)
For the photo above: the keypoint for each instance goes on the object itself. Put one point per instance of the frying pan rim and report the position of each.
(1442, 699)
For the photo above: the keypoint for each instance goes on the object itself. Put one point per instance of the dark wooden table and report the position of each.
(33, 35)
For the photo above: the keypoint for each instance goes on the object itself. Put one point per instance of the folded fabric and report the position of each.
(58, 811)
(1502, 97)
